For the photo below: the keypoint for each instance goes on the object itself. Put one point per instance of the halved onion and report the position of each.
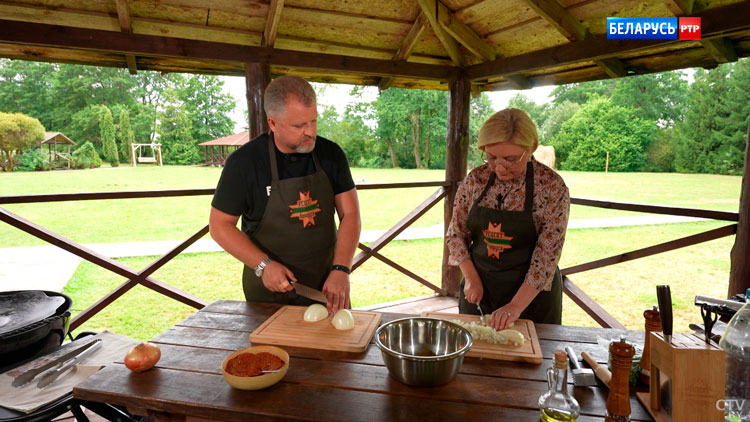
(343, 320)
(315, 312)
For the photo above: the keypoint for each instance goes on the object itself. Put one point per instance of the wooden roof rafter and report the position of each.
(721, 49)
(407, 46)
(272, 23)
(124, 18)
(569, 27)
(430, 10)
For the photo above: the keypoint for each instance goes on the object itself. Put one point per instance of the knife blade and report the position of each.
(32, 373)
(51, 376)
(664, 296)
(310, 293)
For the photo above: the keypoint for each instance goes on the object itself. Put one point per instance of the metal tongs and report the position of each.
(29, 375)
(49, 377)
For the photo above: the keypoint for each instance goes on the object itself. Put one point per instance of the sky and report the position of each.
(338, 95)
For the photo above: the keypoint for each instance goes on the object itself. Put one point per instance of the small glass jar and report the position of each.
(556, 405)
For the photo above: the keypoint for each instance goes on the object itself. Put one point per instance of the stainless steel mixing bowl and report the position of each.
(423, 352)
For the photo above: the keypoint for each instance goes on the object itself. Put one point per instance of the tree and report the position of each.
(126, 136)
(600, 127)
(174, 130)
(107, 129)
(206, 106)
(537, 112)
(17, 131)
(656, 96)
(558, 114)
(583, 92)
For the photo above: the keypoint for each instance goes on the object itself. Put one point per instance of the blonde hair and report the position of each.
(509, 125)
(281, 89)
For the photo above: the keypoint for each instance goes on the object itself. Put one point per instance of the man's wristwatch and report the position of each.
(259, 269)
(341, 268)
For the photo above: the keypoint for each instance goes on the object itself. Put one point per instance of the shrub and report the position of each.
(85, 157)
(33, 159)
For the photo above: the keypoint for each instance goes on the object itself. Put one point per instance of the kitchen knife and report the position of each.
(51, 376)
(310, 293)
(664, 296)
(31, 373)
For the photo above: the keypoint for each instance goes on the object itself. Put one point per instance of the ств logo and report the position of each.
(653, 28)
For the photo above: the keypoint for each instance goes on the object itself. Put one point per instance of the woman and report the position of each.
(508, 227)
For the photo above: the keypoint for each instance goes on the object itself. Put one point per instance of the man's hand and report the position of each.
(473, 290)
(276, 277)
(336, 289)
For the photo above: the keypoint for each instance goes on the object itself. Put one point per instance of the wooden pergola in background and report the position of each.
(464, 46)
(52, 140)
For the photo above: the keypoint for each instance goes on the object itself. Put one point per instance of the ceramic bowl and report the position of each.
(260, 381)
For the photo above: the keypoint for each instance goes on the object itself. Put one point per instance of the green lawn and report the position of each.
(625, 290)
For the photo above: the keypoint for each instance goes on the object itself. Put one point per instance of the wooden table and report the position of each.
(187, 384)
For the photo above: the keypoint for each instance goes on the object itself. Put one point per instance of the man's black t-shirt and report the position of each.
(245, 182)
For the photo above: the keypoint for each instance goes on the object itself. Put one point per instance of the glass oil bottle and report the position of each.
(556, 405)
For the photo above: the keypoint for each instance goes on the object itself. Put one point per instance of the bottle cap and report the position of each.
(561, 359)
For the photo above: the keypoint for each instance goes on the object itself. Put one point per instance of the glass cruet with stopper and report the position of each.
(736, 345)
(556, 405)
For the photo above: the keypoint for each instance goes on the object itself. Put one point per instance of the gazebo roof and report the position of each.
(497, 45)
(56, 137)
(238, 139)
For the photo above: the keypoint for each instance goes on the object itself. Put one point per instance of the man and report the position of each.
(286, 184)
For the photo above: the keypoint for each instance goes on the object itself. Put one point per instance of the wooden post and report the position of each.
(739, 270)
(606, 165)
(457, 147)
(257, 78)
(132, 154)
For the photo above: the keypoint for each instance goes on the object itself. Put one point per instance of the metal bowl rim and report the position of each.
(383, 348)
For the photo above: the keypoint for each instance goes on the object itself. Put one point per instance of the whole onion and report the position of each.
(142, 357)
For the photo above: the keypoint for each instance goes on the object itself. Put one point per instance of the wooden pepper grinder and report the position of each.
(653, 323)
(618, 400)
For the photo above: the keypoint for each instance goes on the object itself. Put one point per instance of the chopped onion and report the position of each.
(343, 320)
(490, 335)
(315, 313)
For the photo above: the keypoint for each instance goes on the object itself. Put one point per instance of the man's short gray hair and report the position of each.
(281, 89)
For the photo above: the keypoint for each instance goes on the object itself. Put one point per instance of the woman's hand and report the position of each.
(473, 290)
(504, 316)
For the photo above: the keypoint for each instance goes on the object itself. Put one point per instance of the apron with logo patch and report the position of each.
(297, 230)
(502, 245)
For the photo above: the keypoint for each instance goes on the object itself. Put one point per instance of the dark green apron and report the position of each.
(502, 245)
(297, 230)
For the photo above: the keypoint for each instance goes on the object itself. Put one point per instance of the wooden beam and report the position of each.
(429, 8)
(613, 66)
(463, 34)
(456, 152)
(721, 49)
(126, 27)
(149, 45)
(569, 27)
(519, 81)
(557, 16)
(404, 270)
(257, 78)
(590, 306)
(739, 270)
(407, 46)
(272, 23)
(715, 23)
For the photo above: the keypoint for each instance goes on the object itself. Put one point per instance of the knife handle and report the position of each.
(601, 371)
(573, 358)
(664, 296)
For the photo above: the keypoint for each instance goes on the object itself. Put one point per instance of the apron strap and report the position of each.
(490, 182)
(272, 158)
(529, 187)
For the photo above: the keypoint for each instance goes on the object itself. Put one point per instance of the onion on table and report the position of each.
(142, 357)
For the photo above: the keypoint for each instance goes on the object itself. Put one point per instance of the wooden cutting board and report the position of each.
(287, 328)
(529, 352)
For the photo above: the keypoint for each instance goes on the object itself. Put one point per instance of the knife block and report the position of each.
(687, 375)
